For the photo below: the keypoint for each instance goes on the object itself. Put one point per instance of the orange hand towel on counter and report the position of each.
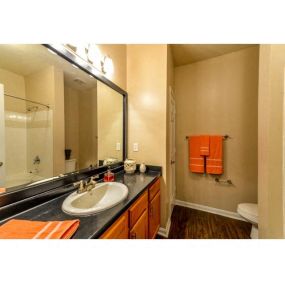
(204, 145)
(23, 229)
(214, 162)
(196, 161)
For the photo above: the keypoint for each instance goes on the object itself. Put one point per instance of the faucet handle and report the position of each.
(79, 184)
(92, 179)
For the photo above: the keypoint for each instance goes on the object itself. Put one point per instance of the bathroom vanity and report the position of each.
(138, 216)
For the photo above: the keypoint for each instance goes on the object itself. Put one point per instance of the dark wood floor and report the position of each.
(193, 224)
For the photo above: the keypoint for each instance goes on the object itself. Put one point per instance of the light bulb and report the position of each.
(81, 51)
(95, 56)
(108, 65)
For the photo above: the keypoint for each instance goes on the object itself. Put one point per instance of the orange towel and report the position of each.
(204, 145)
(2, 190)
(196, 161)
(22, 229)
(214, 162)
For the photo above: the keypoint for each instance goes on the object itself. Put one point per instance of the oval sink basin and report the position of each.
(104, 196)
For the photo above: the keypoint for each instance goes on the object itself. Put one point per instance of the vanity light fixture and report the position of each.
(94, 56)
(107, 65)
(82, 51)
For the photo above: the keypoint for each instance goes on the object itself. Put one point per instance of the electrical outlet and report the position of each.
(136, 147)
(118, 146)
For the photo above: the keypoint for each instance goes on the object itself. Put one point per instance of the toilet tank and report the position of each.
(70, 165)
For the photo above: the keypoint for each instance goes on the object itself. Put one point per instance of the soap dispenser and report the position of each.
(109, 176)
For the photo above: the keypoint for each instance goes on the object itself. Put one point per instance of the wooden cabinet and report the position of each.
(154, 216)
(119, 230)
(141, 220)
(138, 208)
(140, 229)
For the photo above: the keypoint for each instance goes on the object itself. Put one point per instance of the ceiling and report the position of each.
(186, 54)
(28, 59)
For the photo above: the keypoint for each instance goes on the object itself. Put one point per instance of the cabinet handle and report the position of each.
(1, 163)
(133, 236)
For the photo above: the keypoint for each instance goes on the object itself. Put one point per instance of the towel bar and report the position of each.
(226, 181)
(224, 137)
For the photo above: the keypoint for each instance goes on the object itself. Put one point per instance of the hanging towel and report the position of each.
(204, 145)
(23, 229)
(214, 162)
(196, 161)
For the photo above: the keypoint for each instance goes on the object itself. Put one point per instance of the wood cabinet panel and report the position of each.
(154, 216)
(138, 208)
(140, 229)
(153, 189)
(119, 230)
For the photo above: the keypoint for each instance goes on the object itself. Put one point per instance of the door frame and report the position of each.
(2, 136)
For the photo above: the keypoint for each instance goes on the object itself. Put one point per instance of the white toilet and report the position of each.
(249, 212)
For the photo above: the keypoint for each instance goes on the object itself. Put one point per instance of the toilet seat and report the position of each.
(249, 211)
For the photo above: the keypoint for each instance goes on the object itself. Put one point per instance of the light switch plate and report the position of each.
(136, 147)
(118, 146)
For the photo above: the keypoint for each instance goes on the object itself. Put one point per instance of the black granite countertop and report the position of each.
(92, 226)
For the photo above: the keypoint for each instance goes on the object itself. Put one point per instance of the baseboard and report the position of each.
(164, 232)
(216, 211)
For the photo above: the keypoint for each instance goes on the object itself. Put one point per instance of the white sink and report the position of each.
(104, 196)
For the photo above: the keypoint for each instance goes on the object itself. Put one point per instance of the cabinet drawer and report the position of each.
(119, 230)
(138, 208)
(154, 188)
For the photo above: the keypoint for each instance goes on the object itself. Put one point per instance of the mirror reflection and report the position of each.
(54, 118)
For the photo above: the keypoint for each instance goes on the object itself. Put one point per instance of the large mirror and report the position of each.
(54, 118)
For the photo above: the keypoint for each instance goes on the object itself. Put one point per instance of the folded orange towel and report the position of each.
(214, 162)
(22, 229)
(204, 145)
(196, 161)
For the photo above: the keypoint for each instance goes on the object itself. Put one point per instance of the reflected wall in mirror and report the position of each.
(54, 118)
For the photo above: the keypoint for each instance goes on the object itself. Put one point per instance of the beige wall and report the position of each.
(15, 124)
(118, 53)
(81, 125)
(87, 128)
(71, 116)
(270, 141)
(146, 86)
(219, 96)
(110, 122)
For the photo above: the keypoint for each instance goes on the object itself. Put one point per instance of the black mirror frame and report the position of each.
(21, 193)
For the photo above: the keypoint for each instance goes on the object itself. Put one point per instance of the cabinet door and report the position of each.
(154, 216)
(138, 208)
(140, 229)
(119, 230)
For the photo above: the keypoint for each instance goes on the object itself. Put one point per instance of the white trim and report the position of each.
(216, 211)
(165, 231)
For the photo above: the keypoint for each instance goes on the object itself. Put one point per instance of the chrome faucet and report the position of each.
(84, 186)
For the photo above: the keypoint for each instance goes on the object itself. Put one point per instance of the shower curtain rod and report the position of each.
(8, 95)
